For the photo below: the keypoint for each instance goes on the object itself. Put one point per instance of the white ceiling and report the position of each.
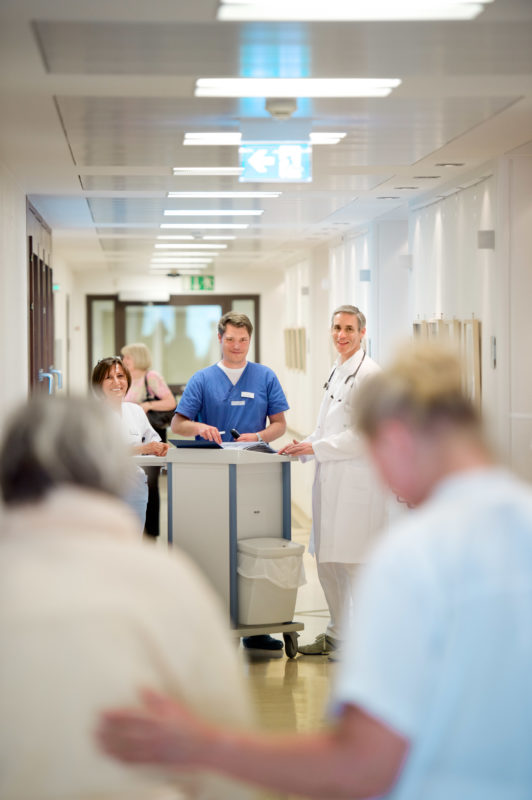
(95, 98)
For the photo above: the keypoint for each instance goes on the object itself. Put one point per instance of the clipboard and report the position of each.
(192, 443)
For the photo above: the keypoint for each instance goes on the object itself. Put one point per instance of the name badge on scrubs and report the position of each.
(247, 394)
(238, 402)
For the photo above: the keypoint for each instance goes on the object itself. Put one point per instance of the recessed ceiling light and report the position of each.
(450, 164)
(218, 237)
(352, 10)
(205, 225)
(183, 261)
(397, 188)
(191, 246)
(295, 87)
(202, 252)
(326, 138)
(178, 236)
(223, 195)
(212, 138)
(208, 170)
(426, 177)
(214, 212)
(378, 198)
(183, 269)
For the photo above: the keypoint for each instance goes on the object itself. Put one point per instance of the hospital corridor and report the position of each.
(266, 399)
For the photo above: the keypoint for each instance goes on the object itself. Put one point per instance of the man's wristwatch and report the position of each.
(260, 439)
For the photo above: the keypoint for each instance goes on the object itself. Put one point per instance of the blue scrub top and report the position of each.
(210, 397)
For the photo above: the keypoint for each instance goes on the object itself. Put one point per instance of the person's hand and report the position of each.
(159, 732)
(247, 437)
(296, 448)
(154, 449)
(208, 432)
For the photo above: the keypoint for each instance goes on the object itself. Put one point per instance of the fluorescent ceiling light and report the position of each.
(191, 246)
(219, 138)
(178, 236)
(326, 138)
(206, 225)
(295, 87)
(182, 269)
(213, 212)
(183, 261)
(320, 137)
(351, 10)
(218, 237)
(208, 170)
(225, 195)
(201, 252)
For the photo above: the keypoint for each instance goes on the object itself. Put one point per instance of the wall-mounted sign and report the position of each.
(201, 283)
(277, 162)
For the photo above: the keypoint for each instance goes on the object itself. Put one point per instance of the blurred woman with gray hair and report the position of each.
(88, 614)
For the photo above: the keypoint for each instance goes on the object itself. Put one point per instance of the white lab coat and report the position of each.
(348, 503)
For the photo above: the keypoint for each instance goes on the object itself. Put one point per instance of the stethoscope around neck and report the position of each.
(350, 377)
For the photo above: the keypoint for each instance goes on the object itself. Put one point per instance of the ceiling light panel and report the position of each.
(215, 138)
(193, 246)
(326, 138)
(182, 261)
(214, 212)
(205, 225)
(295, 87)
(203, 251)
(349, 10)
(223, 195)
(199, 171)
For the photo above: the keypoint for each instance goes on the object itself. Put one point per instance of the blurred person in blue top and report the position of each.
(433, 697)
(234, 394)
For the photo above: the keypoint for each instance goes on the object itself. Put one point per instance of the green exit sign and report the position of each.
(201, 283)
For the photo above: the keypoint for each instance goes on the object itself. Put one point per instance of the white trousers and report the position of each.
(337, 581)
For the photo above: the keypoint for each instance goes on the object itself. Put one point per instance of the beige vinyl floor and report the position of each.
(289, 694)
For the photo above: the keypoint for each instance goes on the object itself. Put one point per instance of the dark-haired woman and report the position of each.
(111, 379)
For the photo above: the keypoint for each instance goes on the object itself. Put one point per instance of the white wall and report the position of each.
(515, 177)
(390, 312)
(13, 294)
(453, 278)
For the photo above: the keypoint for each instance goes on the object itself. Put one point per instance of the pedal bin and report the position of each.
(270, 570)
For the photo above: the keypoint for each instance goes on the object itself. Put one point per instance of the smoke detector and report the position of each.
(281, 107)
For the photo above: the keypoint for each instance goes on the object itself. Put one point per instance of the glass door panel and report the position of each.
(102, 327)
(247, 306)
(182, 339)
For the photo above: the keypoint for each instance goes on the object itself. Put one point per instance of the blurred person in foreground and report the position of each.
(87, 613)
(151, 392)
(111, 380)
(433, 698)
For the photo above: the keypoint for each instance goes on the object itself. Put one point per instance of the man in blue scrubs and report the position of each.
(234, 394)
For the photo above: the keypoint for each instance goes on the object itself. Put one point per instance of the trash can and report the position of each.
(270, 570)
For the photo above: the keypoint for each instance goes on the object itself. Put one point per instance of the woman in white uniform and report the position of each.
(112, 379)
(348, 504)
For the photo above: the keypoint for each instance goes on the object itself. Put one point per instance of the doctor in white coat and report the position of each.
(348, 503)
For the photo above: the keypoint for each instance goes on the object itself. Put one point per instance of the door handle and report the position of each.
(59, 374)
(49, 377)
